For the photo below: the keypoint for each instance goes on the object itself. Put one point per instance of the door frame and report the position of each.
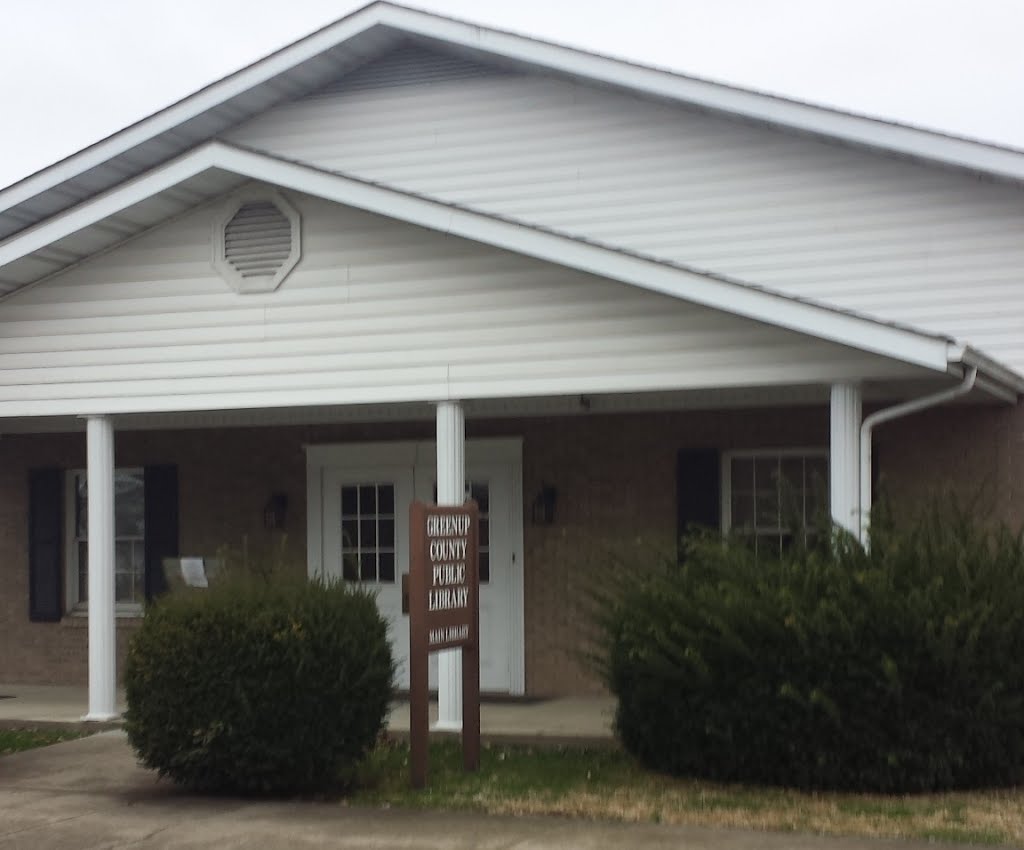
(421, 455)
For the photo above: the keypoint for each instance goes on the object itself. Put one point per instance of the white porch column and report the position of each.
(451, 490)
(844, 457)
(102, 631)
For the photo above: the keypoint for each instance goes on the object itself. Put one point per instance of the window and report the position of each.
(129, 541)
(368, 533)
(772, 495)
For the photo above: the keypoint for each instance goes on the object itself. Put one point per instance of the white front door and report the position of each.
(366, 541)
(364, 529)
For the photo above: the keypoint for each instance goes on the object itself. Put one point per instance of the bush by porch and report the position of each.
(264, 683)
(894, 670)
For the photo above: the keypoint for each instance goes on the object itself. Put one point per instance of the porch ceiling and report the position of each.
(874, 393)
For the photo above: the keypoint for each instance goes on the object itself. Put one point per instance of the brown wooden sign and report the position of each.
(444, 613)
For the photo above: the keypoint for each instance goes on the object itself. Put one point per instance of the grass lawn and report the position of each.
(609, 784)
(16, 740)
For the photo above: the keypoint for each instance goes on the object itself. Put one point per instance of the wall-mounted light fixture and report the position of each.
(543, 510)
(275, 511)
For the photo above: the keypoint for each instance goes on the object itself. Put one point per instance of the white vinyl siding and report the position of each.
(377, 311)
(932, 248)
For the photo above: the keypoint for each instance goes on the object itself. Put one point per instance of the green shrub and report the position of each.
(897, 670)
(259, 684)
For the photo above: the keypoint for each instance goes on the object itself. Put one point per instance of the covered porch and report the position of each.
(387, 348)
(587, 476)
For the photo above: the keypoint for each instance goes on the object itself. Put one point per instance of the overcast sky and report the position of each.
(74, 71)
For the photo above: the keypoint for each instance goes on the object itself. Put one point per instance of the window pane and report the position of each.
(791, 493)
(766, 474)
(485, 567)
(767, 509)
(387, 566)
(479, 492)
(485, 531)
(742, 509)
(386, 499)
(742, 476)
(349, 535)
(386, 533)
(817, 488)
(368, 499)
(792, 473)
(349, 501)
(129, 515)
(367, 534)
(128, 571)
(350, 567)
(81, 507)
(368, 566)
(83, 571)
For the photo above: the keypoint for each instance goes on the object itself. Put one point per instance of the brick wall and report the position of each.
(615, 476)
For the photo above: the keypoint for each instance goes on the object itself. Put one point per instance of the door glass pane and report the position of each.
(368, 532)
(479, 492)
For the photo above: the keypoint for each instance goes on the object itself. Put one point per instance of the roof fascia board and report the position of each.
(736, 298)
(110, 203)
(193, 105)
(963, 153)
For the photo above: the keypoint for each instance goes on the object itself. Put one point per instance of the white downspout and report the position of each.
(886, 415)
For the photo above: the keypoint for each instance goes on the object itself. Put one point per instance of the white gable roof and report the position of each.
(351, 41)
(164, 165)
(930, 351)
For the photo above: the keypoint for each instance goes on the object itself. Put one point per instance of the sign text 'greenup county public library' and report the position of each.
(444, 613)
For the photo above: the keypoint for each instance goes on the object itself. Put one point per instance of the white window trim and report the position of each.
(72, 605)
(726, 471)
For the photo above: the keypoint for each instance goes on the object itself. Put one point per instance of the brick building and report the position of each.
(611, 299)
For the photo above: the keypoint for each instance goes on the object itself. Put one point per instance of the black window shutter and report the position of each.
(698, 489)
(161, 512)
(45, 565)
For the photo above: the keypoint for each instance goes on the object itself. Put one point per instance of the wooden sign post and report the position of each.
(444, 613)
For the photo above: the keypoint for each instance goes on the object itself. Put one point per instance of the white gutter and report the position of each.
(887, 415)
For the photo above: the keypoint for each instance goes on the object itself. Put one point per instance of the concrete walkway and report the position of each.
(90, 794)
(579, 720)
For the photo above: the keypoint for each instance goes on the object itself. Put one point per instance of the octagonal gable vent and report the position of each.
(257, 243)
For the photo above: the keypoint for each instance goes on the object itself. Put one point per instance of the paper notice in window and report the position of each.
(194, 573)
